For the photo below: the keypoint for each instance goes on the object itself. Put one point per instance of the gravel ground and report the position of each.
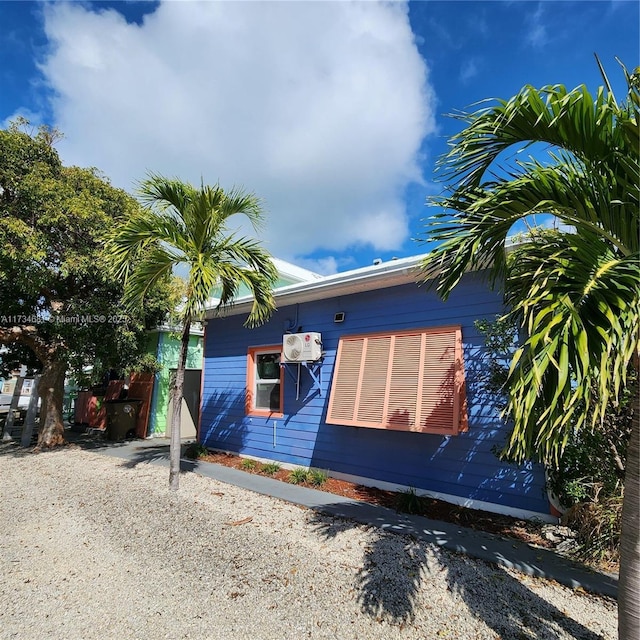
(96, 547)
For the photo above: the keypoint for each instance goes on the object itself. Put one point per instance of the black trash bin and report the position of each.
(122, 416)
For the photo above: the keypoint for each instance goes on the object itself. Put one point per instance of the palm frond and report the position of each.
(578, 302)
(154, 265)
(575, 294)
(182, 224)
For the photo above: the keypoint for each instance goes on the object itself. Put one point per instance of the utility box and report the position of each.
(122, 416)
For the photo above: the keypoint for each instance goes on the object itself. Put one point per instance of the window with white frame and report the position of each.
(264, 381)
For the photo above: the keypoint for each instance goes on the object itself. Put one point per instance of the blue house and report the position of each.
(370, 376)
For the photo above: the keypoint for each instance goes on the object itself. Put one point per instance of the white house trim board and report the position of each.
(380, 276)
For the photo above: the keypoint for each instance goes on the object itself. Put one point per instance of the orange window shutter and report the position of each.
(345, 382)
(407, 381)
(370, 401)
(439, 383)
(404, 383)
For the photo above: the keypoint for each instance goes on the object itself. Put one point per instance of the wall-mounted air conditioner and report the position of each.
(301, 347)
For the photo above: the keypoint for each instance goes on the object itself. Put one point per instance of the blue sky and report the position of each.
(332, 112)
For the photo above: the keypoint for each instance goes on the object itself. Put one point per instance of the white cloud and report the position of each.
(320, 108)
(537, 35)
(468, 70)
(324, 266)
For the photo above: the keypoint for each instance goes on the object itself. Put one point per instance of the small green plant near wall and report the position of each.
(195, 450)
(248, 465)
(298, 476)
(409, 501)
(270, 468)
(316, 477)
(598, 526)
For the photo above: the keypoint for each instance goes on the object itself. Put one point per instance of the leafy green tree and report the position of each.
(57, 298)
(575, 293)
(185, 225)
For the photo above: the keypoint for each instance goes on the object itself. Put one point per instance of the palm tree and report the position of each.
(575, 291)
(183, 225)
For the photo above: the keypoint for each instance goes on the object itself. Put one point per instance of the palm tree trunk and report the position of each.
(176, 396)
(51, 390)
(629, 583)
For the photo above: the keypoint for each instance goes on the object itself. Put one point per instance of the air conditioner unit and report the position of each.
(301, 347)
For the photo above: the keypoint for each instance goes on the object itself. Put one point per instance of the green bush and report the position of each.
(589, 477)
(597, 526)
(298, 476)
(248, 464)
(195, 450)
(316, 477)
(270, 468)
(408, 501)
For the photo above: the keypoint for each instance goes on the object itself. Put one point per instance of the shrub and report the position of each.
(195, 450)
(316, 477)
(270, 468)
(248, 464)
(589, 476)
(597, 526)
(298, 476)
(409, 501)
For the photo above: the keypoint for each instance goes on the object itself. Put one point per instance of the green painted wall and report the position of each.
(243, 290)
(166, 348)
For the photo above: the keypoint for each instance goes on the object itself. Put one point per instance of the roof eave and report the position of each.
(388, 274)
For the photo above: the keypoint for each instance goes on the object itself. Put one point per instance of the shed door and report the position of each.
(190, 404)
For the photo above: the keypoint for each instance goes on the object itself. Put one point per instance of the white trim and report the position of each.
(261, 351)
(524, 514)
(286, 270)
(386, 274)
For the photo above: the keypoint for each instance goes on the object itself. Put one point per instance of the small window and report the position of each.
(264, 381)
(407, 381)
(27, 386)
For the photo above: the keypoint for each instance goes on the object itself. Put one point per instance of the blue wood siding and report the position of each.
(464, 465)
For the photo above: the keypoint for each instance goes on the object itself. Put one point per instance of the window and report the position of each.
(27, 386)
(264, 381)
(407, 381)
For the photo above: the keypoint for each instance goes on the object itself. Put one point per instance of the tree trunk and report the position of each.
(13, 407)
(51, 391)
(32, 412)
(629, 582)
(176, 395)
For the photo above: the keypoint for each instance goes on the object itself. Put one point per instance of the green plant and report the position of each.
(598, 526)
(591, 465)
(145, 363)
(195, 450)
(180, 224)
(500, 342)
(317, 477)
(298, 476)
(270, 468)
(248, 465)
(408, 501)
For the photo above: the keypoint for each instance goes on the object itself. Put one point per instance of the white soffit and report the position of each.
(380, 276)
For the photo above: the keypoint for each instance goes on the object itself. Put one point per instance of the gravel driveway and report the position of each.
(97, 547)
